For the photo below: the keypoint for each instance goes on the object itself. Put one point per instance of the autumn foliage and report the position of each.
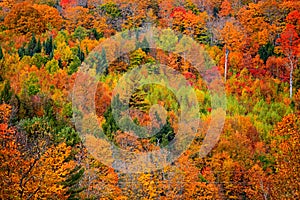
(45, 44)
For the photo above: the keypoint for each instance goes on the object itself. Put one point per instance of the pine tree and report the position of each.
(165, 135)
(102, 64)
(32, 45)
(266, 51)
(38, 47)
(60, 64)
(21, 52)
(51, 55)
(6, 93)
(73, 183)
(80, 33)
(1, 53)
(80, 54)
(48, 46)
(95, 34)
(145, 45)
(110, 126)
(73, 67)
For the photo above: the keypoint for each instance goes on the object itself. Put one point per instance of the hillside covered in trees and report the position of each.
(63, 62)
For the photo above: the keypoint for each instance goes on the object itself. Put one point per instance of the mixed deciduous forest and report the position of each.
(255, 45)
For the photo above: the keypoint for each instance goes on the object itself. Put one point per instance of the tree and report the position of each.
(21, 52)
(226, 63)
(24, 18)
(48, 46)
(285, 149)
(38, 47)
(94, 34)
(80, 33)
(68, 3)
(52, 66)
(165, 135)
(289, 45)
(144, 45)
(50, 16)
(167, 40)
(78, 16)
(32, 45)
(190, 24)
(101, 63)
(110, 126)
(255, 26)
(1, 53)
(233, 40)
(29, 170)
(225, 9)
(73, 67)
(6, 93)
(266, 51)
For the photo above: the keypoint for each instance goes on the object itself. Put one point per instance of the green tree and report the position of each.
(1, 53)
(144, 45)
(165, 135)
(32, 45)
(73, 67)
(6, 93)
(48, 46)
(80, 33)
(38, 47)
(102, 64)
(52, 66)
(266, 51)
(21, 51)
(167, 40)
(110, 126)
(80, 54)
(94, 34)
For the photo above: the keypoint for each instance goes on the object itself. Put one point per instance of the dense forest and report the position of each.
(70, 70)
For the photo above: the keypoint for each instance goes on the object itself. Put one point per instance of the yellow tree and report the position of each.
(26, 173)
(285, 149)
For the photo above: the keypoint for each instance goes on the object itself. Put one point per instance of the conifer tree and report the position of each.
(32, 45)
(1, 53)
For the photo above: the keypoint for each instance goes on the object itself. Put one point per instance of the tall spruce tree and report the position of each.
(1, 53)
(102, 62)
(6, 93)
(32, 45)
(38, 47)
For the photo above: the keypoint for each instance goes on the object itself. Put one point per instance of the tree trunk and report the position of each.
(291, 78)
(226, 63)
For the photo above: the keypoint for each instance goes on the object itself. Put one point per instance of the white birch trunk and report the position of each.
(226, 63)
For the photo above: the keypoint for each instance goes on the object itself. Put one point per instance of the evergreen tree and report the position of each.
(102, 64)
(95, 34)
(1, 53)
(51, 55)
(73, 67)
(80, 33)
(38, 47)
(60, 64)
(80, 54)
(165, 135)
(21, 52)
(48, 46)
(144, 45)
(73, 183)
(266, 51)
(110, 125)
(32, 45)
(6, 93)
